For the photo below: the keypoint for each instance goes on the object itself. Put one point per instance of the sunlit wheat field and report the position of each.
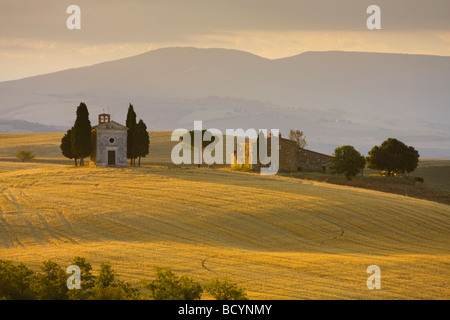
(279, 237)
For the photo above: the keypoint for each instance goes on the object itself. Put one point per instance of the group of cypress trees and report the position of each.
(138, 140)
(76, 143)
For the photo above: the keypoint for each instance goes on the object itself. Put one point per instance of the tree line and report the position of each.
(392, 157)
(76, 144)
(18, 282)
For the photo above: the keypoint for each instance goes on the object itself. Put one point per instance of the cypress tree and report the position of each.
(204, 143)
(81, 134)
(131, 125)
(66, 146)
(142, 140)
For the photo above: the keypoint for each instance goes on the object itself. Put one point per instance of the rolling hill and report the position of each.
(280, 237)
(46, 148)
(336, 98)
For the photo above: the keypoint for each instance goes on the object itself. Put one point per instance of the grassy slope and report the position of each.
(279, 237)
(436, 173)
(46, 146)
(282, 238)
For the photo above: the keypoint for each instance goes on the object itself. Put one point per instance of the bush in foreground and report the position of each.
(21, 283)
(109, 287)
(225, 290)
(168, 286)
(16, 281)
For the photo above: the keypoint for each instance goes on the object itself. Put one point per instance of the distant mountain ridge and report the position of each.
(334, 97)
(26, 126)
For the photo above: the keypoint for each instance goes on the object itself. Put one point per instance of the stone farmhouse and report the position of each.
(291, 157)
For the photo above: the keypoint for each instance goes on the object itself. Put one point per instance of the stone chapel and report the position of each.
(109, 143)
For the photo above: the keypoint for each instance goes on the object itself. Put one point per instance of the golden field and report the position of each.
(279, 237)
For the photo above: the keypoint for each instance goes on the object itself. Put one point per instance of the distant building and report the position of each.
(291, 157)
(109, 143)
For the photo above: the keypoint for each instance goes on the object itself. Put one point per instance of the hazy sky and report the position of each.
(34, 38)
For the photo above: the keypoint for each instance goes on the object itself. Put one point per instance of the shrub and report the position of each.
(168, 286)
(241, 168)
(225, 290)
(88, 280)
(25, 155)
(109, 287)
(15, 281)
(51, 284)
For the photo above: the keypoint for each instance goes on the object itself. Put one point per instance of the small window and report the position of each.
(111, 140)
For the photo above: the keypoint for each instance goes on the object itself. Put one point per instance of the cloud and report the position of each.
(88, 51)
(106, 21)
(444, 36)
(113, 29)
(19, 44)
(277, 44)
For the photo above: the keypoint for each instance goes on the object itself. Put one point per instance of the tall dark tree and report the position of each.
(66, 146)
(393, 157)
(204, 143)
(81, 134)
(131, 144)
(142, 140)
